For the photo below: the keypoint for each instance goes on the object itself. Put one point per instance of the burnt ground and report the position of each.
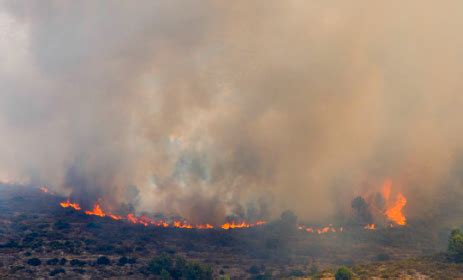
(39, 239)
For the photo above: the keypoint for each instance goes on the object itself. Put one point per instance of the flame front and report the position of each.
(68, 203)
(144, 220)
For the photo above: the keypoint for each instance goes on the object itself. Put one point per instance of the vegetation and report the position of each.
(343, 273)
(103, 261)
(455, 246)
(167, 267)
(57, 271)
(433, 267)
(60, 225)
(34, 262)
(362, 211)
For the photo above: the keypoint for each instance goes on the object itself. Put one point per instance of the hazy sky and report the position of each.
(210, 108)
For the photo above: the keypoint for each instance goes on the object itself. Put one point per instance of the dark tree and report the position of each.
(361, 210)
(288, 218)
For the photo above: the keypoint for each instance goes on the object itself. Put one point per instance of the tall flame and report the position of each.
(394, 209)
(394, 212)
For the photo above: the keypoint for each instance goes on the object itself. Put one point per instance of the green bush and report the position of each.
(455, 247)
(167, 267)
(196, 271)
(157, 264)
(343, 273)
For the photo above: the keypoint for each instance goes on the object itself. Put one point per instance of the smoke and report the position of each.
(214, 108)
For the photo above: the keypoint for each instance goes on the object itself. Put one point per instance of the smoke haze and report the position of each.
(213, 108)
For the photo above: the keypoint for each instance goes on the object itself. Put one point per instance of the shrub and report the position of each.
(343, 273)
(254, 269)
(61, 225)
(383, 257)
(164, 275)
(167, 267)
(313, 269)
(262, 277)
(157, 264)
(54, 261)
(122, 261)
(455, 246)
(297, 273)
(57, 271)
(34, 262)
(77, 262)
(196, 271)
(103, 261)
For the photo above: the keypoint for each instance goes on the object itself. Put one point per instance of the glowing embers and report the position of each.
(370, 227)
(321, 230)
(68, 203)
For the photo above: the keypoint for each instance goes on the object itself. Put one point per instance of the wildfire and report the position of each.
(205, 226)
(233, 225)
(394, 212)
(68, 203)
(322, 230)
(394, 208)
(96, 211)
(144, 220)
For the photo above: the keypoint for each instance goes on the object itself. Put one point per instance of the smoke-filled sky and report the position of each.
(211, 108)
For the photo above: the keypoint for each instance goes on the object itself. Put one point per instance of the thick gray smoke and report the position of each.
(212, 108)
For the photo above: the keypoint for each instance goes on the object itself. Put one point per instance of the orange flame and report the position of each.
(179, 224)
(233, 225)
(394, 210)
(144, 220)
(68, 203)
(96, 211)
